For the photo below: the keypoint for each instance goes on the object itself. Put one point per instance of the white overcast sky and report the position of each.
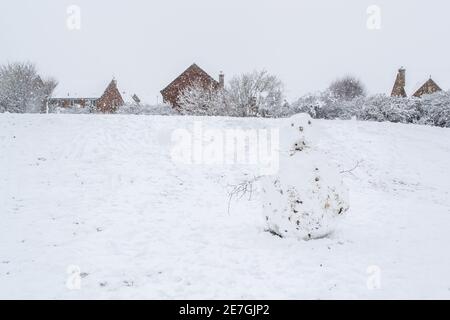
(146, 44)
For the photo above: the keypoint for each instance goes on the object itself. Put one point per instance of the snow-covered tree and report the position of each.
(22, 89)
(256, 94)
(203, 101)
(347, 88)
(309, 103)
(48, 86)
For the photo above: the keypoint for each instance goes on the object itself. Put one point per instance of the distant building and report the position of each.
(192, 75)
(428, 87)
(399, 86)
(71, 101)
(398, 90)
(111, 99)
(108, 102)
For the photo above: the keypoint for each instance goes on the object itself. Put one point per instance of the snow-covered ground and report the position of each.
(102, 194)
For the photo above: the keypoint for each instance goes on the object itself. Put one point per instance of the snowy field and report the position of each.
(101, 193)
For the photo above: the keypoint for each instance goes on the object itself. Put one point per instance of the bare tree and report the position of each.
(347, 88)
(49, 85)
(256, 94)
(22, 89)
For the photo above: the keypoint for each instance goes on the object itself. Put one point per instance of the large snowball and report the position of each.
(307, 196)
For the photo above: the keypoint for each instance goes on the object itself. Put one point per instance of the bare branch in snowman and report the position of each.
(239, 190)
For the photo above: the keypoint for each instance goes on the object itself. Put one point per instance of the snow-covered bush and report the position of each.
(199, 100)
(340, 101)
(430, 109)
(436, 109)
(145, 109)
(307, 196)
(345, 99)
(325, 105)
(125, 109)
(393, 109)
(75, 109)
(310, 104)
(22, 89)
(336, 108)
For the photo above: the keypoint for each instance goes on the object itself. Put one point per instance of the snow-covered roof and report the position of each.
(192, 67)
(81, 91)
(95, 92)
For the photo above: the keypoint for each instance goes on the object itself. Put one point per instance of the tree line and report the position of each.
(253, 94)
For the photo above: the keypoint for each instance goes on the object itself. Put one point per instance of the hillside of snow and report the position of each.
(93, 206)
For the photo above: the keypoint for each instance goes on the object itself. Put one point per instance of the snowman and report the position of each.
(306, 198)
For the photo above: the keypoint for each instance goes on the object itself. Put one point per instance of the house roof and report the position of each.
(96, 92)
(69, 93)
(428, 87)
(192, 67)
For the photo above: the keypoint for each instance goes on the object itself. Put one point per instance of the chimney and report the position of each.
(401, 75)
(399, 86)
(221, 79)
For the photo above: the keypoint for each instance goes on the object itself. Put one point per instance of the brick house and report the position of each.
(108, 102)
(192, 75)
(111, 99)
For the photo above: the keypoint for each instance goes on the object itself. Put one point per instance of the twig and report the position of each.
(241, 189)
(354, 168)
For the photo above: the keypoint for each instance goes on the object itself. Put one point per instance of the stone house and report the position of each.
(398, 90)
(428, 87)
(399, 86)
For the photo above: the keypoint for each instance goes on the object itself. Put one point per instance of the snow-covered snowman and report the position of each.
(307, 196)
